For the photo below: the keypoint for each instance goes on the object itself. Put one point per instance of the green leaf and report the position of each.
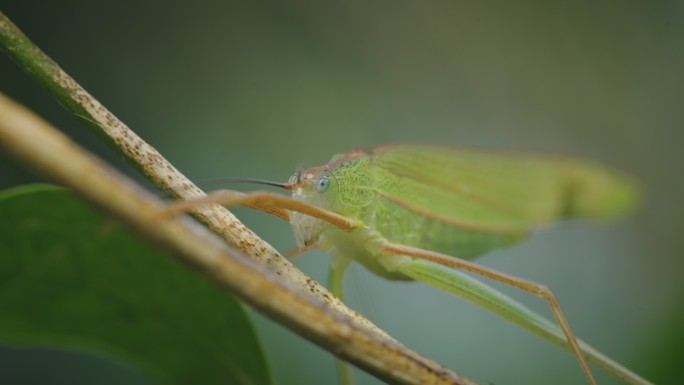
(71, 277)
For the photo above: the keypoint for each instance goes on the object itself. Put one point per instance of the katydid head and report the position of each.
(343, 186)
(314, 186)
(317, 187)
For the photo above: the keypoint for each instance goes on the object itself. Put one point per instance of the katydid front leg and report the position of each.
(265, 201)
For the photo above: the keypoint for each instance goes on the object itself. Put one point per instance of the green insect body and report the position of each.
(455, 201)
(422, 212)
(415, 207)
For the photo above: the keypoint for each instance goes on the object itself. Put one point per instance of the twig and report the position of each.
(161, 172)
(334, 327)
(33, 140)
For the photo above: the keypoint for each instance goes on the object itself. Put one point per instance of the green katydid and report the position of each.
(422, 212)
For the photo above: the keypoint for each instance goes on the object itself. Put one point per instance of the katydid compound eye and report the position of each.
(322, 184)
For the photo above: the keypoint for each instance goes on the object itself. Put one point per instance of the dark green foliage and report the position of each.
(73, 278)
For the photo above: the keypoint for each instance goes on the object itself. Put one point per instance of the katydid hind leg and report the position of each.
(391, 249)
(439, 270)
(462, 285)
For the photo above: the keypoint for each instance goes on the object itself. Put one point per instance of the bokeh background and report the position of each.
(256, 88)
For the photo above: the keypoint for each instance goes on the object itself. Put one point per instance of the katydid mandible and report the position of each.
(423, 212)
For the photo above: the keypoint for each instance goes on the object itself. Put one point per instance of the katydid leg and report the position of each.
(481, 294)
(338, 266)
(491, 299)
(541, 291)
(295, 253)
(265, 201)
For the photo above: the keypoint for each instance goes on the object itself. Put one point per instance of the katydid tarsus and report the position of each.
(423, 212)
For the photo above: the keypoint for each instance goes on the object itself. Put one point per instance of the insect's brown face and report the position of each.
(312, 187)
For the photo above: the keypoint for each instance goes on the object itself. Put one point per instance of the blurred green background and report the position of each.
(256, 88)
